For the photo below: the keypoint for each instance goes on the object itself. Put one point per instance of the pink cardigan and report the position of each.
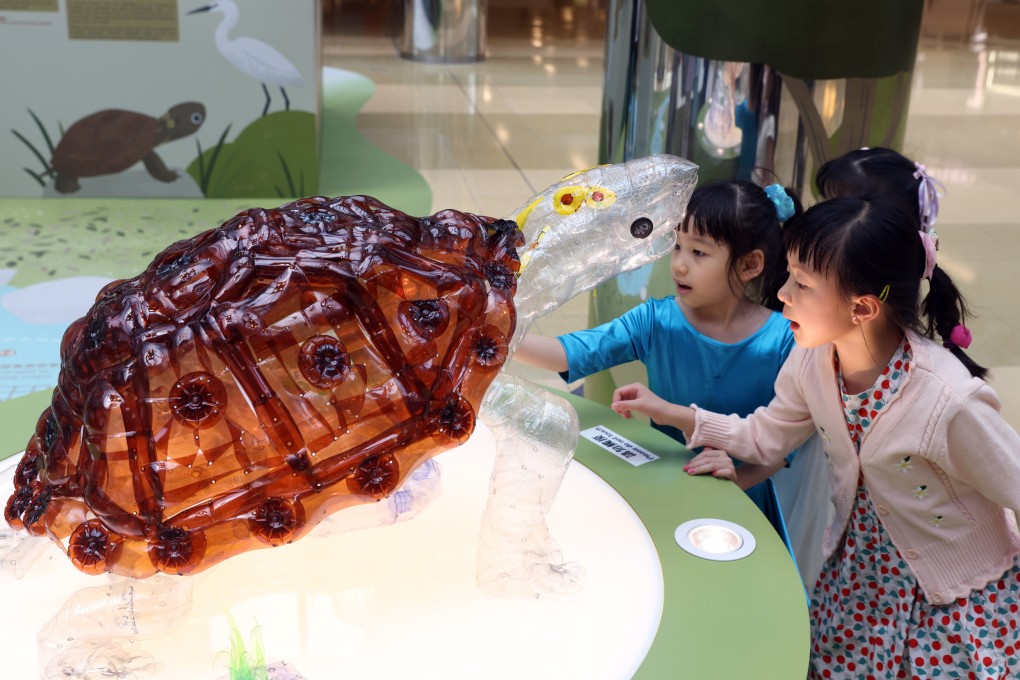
(941, 465)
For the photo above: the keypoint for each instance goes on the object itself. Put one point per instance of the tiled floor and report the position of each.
(486, 135)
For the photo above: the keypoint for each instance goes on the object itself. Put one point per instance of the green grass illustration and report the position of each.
(244, 166)
(205, 172)
(294, 190)
(44, 161)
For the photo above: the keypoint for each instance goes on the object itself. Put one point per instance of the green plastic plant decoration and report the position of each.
(246, 663)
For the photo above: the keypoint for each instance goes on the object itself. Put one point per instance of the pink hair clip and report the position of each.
(930, 248)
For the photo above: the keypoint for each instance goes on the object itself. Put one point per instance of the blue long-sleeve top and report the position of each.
(684, 366)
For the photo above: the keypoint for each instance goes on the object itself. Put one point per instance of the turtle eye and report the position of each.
(641, 227)
(196, 118)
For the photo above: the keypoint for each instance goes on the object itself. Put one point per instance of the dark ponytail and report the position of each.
(945, 309)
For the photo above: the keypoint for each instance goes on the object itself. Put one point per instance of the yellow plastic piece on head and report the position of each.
(581, 172)
(522, 216)
(526, 255)
(600, 197)
(567, 200)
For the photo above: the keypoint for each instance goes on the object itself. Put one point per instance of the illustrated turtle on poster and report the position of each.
(293, 362)
(112, 140)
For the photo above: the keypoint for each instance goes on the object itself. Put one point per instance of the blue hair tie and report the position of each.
(784, 204)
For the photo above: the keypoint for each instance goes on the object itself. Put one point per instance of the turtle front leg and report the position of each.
(536, 434)
(18, 549)
(66, 184)
(421, 487)
(157, 168)
(92, 635)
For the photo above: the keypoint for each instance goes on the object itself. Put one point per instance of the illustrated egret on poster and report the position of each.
(254, 58)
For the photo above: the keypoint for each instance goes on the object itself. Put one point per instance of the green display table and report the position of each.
(741, 619)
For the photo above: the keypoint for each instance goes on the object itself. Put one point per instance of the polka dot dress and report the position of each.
(869, 617)
(862, 409)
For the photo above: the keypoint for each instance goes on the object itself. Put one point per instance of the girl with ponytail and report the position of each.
(881, 173)
(720, 339)
(922, 572)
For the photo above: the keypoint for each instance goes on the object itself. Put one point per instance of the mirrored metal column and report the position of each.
(719, 114)
(446, 31)
(722, 115)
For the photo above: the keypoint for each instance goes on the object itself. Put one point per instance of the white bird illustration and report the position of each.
(253, 57)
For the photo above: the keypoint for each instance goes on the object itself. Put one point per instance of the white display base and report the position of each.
(399, 601)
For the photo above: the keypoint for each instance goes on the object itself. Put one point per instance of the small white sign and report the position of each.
(618, 446)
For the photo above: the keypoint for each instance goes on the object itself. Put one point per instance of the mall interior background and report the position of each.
(483, 136)
(486, 134)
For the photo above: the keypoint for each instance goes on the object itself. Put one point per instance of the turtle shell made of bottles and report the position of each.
(262, 375)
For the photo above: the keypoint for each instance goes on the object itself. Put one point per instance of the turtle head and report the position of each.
(180, 121)
(595, 224)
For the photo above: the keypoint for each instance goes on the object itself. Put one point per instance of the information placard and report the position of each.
(619, 446)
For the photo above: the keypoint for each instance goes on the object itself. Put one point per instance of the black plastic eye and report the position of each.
(641, 227)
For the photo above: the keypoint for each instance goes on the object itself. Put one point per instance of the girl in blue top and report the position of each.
(719, 342)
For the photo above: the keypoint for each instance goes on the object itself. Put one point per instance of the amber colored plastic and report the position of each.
(262, 375)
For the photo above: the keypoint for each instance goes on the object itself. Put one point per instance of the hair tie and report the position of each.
(959, 337)
(927, 196)
(929, 254)
(784, 204)
(884, 295)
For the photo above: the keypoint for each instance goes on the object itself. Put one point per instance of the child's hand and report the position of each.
(637, 397)
(712, 461)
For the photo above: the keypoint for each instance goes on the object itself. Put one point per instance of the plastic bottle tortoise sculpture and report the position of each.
(296, 361)
(112, 140)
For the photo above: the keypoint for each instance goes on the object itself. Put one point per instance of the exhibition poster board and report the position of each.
(159, 98)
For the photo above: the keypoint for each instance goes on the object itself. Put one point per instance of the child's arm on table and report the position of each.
(637, 397)
(750, 474)
(764, 438)
(719, 464)
(542, 352)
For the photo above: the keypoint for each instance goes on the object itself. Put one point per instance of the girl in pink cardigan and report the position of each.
(922, 577)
